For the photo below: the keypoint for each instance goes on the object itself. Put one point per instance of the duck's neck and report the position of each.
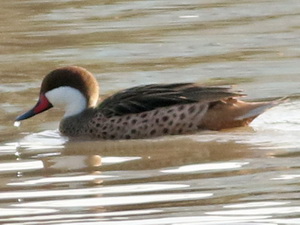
(72, 100)
(77, 125)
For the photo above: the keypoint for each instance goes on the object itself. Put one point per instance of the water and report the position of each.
(239, 176)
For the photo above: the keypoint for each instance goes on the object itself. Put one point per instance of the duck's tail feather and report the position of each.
(260, 108)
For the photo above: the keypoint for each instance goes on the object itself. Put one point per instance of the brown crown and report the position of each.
(75, 77)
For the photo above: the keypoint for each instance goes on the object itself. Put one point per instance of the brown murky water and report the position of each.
(241, 176)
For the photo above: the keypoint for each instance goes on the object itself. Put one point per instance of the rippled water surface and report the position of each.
(239, 176)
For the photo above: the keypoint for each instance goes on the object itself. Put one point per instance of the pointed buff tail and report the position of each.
(232, 112)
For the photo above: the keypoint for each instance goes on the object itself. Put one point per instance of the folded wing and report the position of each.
(149, 97)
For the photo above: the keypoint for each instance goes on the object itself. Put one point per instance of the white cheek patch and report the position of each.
(68, 98)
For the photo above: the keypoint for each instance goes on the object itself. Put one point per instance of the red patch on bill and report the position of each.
(42, 105)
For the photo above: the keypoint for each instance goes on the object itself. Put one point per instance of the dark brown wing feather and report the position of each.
(148, 97)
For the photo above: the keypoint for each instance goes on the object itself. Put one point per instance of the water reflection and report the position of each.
(241, 176)
(207, 167)
(166, 175)
(20, 166)
(173, 171)
(125, 169)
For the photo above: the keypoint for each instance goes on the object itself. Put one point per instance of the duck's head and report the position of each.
(73, 88)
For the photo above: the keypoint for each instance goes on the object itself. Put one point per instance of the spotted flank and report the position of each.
(157, 122)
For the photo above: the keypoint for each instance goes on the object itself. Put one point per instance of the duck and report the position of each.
(140, 112)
